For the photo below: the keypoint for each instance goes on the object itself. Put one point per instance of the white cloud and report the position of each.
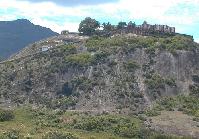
(54, 26)
(197, 40)
(152, 10)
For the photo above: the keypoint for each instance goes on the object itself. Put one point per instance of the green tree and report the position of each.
(108, 26)
(6, 115)
(121, 25)
(131, 25)
(88, 26)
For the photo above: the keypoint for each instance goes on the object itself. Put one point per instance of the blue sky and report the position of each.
(67, 14)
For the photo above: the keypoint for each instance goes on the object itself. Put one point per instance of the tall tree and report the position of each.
(131, 25)
(88, 26)
(108, 26)
(121, 25)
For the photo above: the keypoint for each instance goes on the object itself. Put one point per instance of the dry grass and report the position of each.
(175, 122)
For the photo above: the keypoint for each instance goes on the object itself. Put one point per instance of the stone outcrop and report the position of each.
(105, 85)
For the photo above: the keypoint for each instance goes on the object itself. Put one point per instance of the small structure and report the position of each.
(65, 32)
(45, 48)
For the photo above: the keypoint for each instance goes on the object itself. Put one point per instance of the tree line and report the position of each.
(90, 26)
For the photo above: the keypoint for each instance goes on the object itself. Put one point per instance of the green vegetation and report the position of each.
(44, 123)
(131, 66)
(63, 103)
(61, 76)
(68, 49)
(82, 83)
(85, 59)
(195, 78)
(82, 59)
(59, 135)
(6, 115)
(88, 26)
(121, 126)
(12, 134)
(194, 89)
(172, 43)
(187, 104)
(156, 82)
(121, 25)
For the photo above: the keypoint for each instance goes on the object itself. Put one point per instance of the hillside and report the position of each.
(124, 74)
(15, 35)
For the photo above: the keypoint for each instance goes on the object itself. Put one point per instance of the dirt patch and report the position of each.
(175, 122)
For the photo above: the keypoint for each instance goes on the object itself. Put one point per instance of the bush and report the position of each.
(155, 82)
(82, 83)
(82, 59)
(63, 103)
(128, 130)
(195, 78)
(99, 57)
(186, 104)
(68, 49)
(59, 135)
(194, 89)
(131, 66)
(6, 115)
(170, 81)
(152, 113)
(121, 126)
(12, 134)
(93, 123)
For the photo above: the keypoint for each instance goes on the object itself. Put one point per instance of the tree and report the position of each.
(121, 25)
(88, 26)
(6, 115)
(108, 26)
(131, 25)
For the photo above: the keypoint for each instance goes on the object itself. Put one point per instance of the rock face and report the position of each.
(15, 35)
(73, 76)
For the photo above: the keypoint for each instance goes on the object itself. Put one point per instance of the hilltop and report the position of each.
(77, 83)
(15, 35)
(121, 73)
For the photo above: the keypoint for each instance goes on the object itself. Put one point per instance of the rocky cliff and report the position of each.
(121, 74)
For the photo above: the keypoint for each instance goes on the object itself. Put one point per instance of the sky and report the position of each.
(67, 14)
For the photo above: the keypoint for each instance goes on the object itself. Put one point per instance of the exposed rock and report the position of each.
(120, 82)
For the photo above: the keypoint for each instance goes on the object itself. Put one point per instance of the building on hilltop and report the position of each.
(144, 29)
(65, 32)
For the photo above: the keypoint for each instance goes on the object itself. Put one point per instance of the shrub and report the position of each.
(195, 78)
(155, 82)
(128, 130)
(12, 134)
(6, 115)
(131, 66)
(169, 103)
(186, 104)
(121, 126)
(150, 50)
(63, 103)
(91, 124)
(194, 89)
(68, 49)
(59, 135)
(99, 57)
(82, 83)
(170, 81)
(82, 59)
(66, 89)
(152, 113)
